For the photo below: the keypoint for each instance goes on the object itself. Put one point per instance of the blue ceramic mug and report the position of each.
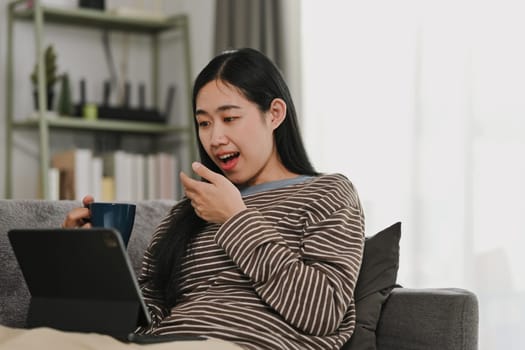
(119, 216)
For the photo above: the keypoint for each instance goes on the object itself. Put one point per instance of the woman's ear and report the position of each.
(277, 112)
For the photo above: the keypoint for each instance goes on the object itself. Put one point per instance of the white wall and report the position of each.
(80, 54)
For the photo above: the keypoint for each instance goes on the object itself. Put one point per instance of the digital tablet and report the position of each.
(79, 280)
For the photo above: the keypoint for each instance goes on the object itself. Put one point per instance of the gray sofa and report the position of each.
(411, 319)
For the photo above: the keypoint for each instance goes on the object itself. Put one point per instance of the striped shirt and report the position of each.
(278, 275)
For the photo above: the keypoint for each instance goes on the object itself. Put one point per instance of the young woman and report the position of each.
(264, 252)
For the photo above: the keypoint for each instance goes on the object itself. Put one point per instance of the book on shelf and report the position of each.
(152, 173)
(108, 189)
(167, 176)
(75, 172)
(115, 176)
(117, 165)
(96, 177)
(138, 163)
(53, 177)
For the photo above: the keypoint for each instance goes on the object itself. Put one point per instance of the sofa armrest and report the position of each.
(429, 319)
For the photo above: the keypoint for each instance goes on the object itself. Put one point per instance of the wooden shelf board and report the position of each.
(102, 20)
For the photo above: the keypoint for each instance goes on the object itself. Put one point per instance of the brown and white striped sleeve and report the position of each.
(311, 289)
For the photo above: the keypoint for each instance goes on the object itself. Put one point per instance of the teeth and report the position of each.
(226, 156)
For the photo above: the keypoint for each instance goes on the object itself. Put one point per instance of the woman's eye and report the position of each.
(203, 124)
(229, 119)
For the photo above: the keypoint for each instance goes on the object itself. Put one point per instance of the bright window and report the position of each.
(422, 105)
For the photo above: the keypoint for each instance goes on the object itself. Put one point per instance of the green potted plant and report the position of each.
(50, 76)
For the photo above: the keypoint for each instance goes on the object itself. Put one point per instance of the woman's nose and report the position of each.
(218, 137)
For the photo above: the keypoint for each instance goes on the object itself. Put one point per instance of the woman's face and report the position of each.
(237, 136)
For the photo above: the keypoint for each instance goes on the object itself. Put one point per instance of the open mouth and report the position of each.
(228, 161)
(225, 158)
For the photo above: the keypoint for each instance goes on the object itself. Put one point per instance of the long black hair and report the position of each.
(260, 81)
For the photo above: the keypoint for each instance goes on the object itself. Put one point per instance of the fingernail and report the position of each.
(195, 165)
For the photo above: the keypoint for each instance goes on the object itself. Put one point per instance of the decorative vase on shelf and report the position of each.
(64, 104)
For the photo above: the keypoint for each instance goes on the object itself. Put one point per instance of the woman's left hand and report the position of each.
(216, 201)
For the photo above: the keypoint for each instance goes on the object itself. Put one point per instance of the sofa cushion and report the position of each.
(376, 279)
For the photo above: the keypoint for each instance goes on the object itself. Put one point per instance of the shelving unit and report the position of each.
(42, 123)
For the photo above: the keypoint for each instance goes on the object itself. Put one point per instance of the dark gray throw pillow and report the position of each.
(376, 279)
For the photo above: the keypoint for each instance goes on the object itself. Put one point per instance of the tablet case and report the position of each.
(79, 280)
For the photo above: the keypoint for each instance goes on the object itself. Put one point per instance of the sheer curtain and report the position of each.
(422, 105)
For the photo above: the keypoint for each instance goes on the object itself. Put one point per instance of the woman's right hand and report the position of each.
(79, 217)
